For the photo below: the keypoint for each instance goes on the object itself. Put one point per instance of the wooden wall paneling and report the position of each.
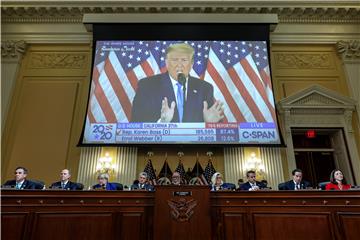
(13, 225)
(234, 225)
(349, 225)
(135, 215)
(90, 225)
(192, 213)
(292, 225)
(131, 225)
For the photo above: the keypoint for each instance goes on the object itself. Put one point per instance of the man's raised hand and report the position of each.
(215, 113)
(167, 113)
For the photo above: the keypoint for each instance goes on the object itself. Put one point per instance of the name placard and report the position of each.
(182, 194)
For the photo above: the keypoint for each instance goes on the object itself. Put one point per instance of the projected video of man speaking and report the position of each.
(181, 92)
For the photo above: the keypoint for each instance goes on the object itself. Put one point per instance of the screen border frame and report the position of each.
(172, 20)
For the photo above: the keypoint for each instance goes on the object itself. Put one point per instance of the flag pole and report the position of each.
(165, 163)
(197, 164)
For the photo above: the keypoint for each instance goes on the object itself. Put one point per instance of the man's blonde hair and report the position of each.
(181, 47)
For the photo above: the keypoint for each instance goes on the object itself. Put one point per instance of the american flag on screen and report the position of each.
(238, 70)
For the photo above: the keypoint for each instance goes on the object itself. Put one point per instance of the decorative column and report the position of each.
(351, 141)
(349, 51)
(87, 165)
(273, 166)
(234, 164)
(126, 162)
(11, 56)
(350, 54)
(290, 153)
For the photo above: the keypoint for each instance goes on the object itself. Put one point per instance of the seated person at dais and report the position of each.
(20, 182)
(218, 184)
(251, 184)
(176, 179)
(103, 179)
(142, 183)
(296, 183)
(65, 183)
(337, 181)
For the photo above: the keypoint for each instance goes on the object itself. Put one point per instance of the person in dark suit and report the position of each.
(218, 184)
(65, 182)
(251, 184)
(142, 183)
(21, 182)
(104, 184)
(161, 98)
(296, 183)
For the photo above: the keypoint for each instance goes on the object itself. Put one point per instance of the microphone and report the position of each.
(182, 79)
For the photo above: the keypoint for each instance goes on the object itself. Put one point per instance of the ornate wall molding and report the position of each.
(350, 50)
(297, 11)
(12, 48)
(319, 107)
(58, 60)
(303, 60)
(316, 99)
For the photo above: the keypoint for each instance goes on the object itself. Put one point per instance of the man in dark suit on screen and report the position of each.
(296, 183)
(175, 96)
(65, 182)
(21, 182)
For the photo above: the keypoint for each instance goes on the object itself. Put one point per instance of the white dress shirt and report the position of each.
(175, 87)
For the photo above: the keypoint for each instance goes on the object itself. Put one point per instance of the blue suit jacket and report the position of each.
(291, 186)
(69, 186)
(146, 187)
(151, 91)
(110, 186)
(246, 186)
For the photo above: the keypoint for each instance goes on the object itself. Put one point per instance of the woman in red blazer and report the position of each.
(337, 181)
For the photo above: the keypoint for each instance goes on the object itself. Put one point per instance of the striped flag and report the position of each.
(231, 67)
(149, 169)
(209, 171)
(239, 72)
(180, 169)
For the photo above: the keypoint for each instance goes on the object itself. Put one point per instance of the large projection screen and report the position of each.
(181, 84)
